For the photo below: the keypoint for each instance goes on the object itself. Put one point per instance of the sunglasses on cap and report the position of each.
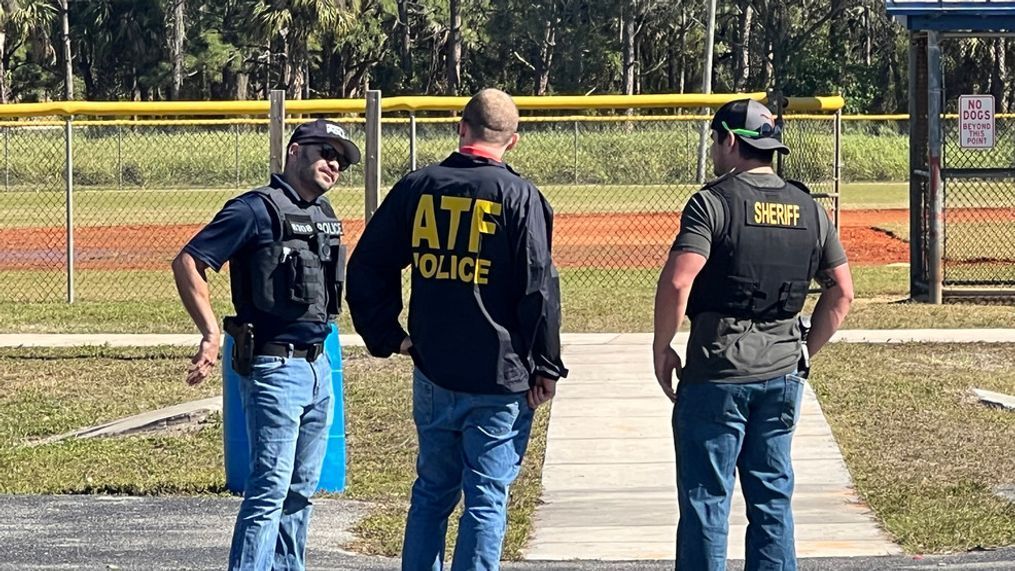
(764, 131)
(328, 153)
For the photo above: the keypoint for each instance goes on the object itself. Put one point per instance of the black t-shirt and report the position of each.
(243, 225)
(729, 349)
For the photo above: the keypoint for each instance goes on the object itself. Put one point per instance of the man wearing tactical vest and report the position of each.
(749, 245)
(287, 262)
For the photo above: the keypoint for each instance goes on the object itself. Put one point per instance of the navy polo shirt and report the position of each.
(244, 224)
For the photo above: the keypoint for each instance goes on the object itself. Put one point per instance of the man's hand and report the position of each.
(667, 364)
(204, 360)
(542, 391)
(405, 346)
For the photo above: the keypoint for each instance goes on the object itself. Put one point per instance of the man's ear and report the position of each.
(293, 149)
(463, 130)
(512, 142)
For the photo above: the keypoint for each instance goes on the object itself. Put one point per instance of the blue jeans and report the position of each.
(468, 443)
(719, 427)
(288, 408)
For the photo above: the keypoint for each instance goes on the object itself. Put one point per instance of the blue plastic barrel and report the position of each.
(237, 445)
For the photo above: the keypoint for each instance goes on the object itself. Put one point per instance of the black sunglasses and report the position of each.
(329, 154)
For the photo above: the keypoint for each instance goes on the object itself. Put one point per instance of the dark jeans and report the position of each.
(467, 443)
(747, 427)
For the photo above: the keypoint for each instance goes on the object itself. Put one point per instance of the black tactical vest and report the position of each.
(299, 276)
(762, 267)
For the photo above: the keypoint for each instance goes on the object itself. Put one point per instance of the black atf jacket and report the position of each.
(484, 308)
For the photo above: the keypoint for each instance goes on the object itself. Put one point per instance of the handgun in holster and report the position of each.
(804, 364)
(243, 344)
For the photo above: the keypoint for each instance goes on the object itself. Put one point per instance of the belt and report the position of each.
(309, 352)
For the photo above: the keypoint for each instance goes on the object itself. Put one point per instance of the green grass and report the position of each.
(382, 441)
(44, 392)
(922, 453)
(593, 301)
(110, 207)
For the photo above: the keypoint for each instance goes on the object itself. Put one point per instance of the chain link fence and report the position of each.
(979, 200)
(141, 189)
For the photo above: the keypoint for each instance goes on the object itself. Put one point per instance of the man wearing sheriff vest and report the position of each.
(740, 269)
(484, 328)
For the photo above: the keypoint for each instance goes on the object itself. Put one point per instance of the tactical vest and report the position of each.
(299, 276)
(762, 267)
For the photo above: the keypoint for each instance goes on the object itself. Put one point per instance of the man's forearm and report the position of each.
(832, 307)
(192, 285)
(670, 305)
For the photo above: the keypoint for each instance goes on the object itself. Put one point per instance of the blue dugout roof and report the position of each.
(964, 15)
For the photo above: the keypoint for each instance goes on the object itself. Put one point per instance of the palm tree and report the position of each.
(21, 22)
(290, 25)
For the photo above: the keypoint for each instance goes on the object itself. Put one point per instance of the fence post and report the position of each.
(7, 158)
(69, 178)
(936, 234)
(236, 145)
(276, 131)
(576, 152)
(412, 141)
(837, 168)
(372, 165)
(119, 157)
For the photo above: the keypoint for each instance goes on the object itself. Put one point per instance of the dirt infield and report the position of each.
(607, 241)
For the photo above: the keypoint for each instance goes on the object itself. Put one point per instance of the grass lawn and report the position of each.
(922, 453)
(110, 207)
(51, 391)
(593, 301)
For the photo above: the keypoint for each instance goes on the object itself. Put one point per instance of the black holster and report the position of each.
(804, 364)
(243, 344)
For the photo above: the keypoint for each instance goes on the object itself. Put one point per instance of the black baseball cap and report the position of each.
(752, 123)
(324, 131)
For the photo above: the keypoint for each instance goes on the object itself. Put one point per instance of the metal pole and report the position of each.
(916, 269)
(576, 152)
(706, 88)
(69, 177)
(837, 168)
(936, 234)
(412, 141)
(372, 165)
(236, 144)
(119, 157)
(7, 158)
(276, 131)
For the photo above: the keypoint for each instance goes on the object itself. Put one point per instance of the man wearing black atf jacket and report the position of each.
(740, 269)
(286, 260)
(484, 327)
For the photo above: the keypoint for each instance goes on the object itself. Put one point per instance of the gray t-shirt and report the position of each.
(728, 349)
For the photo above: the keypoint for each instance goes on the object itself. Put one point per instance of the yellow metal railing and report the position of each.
(393, 104)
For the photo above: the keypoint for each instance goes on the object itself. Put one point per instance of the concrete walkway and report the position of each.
(608, 477)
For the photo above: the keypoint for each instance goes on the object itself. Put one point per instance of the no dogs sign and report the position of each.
(976, 121)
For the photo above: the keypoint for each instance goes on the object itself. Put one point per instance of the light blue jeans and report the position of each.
(468, 443)
(288, 408)
(747, 427)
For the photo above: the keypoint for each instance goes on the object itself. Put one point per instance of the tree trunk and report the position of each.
(742, 68)
(405, 43)
(177, 49)
(3, 66)
(454, 59)
(545, 59)
(242, 83)
(997, 74)
(683, 50)
(837, 37)
(68, 78)
(627, 38)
